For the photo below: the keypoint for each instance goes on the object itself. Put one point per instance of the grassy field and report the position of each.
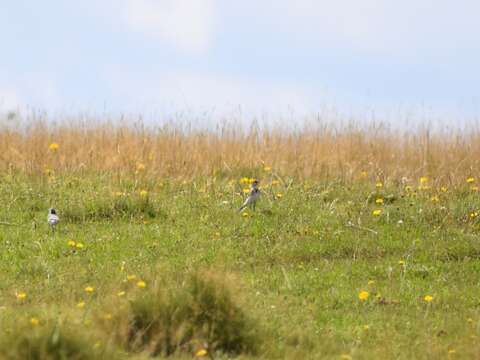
(360, 247)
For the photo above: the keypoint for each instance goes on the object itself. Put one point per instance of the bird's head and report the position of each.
(52, 211)
(255, 184)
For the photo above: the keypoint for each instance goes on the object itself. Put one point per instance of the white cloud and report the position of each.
(9, 99)
(186, 24)
(183, 90)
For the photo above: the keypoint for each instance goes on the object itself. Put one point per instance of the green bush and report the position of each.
(198, 313)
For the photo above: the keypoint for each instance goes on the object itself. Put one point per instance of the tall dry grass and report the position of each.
(316, 150)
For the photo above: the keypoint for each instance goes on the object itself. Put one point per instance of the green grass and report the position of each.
(292, 270)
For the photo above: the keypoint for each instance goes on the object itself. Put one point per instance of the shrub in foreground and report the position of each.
(197, 314)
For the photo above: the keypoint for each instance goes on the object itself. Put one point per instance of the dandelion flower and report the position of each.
(71, 243)
(245, 214)
(267, 169)
(379, 185)
(401, 262)
(81, 304)
(89, 289)
(279, 195)
(371, 282)
(34, 321)
(143, 193)
(244, 180)
(53, 147)
(470, 180)
(379, 201)
(246, 191)
(434, 199)
(79, 246)
(428, 298)
(443, 189)
(201, 353)
(121, 293)
(423, 180)
(474, 188)
(473, 214)
(21, 295)
(470, 320)
(141, 284)
(131, 277)
(366, 327)
(363, 174)
(377, 212)
(363, 295)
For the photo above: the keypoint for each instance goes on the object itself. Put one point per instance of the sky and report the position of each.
(253, 57)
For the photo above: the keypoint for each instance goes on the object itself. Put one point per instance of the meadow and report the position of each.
(364, 244)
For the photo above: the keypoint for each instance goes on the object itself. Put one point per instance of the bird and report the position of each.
(52, 218)
(252, 196)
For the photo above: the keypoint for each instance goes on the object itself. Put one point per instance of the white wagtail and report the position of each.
(52, 218)
(252, 196)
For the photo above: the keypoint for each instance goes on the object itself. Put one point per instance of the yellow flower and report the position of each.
(428, 298)
(81, 304)
(379, 201)
(131, 277)
(435, 199)
(53, 146)
(267, 169)
(251, 180)
(140, 167)
(201, 353)
(246, 191)
(408, 188)
(371, 282)
(423, 180)
(377, 212)
(244, 180)
(143, 193)
(401, 262)
(363, 174)
(275, 182)
(443, 189)
(21, 295)
(470, 320)
(34, 321)
(470, 180)
(474, 188)
(473, 214)
(89, 289)
(379, 185)
(279, 195)
(141, 284)
(118, 193)
(245, 214)
(363, 295)
(79, 246)
(121, 293)
(366, 327)
(71, 243)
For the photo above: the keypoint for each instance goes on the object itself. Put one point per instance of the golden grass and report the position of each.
(315, 151)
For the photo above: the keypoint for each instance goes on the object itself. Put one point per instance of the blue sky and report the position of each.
(148, 56)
